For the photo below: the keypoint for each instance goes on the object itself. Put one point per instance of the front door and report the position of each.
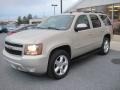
(82, 39)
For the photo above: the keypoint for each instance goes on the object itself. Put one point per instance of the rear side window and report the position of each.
(105, 20)
(95, 21)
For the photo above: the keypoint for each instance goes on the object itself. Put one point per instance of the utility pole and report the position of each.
(61, 4)
(54, 5)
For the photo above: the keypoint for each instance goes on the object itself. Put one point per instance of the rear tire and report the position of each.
(58, 65)
(105, 48)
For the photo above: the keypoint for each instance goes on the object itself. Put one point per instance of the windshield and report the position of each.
(61, 22)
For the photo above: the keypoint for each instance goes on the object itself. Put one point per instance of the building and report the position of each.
(4, 22)
(109, 7)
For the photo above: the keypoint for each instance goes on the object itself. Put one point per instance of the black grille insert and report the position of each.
(15, 52)
(15, 45)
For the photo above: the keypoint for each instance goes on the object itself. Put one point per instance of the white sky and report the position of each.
(11, 9)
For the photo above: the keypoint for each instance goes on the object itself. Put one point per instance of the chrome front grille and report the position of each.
(13, 48)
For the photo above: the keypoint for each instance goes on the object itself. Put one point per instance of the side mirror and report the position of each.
(82, 26)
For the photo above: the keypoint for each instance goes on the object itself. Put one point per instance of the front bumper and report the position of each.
(33, 64)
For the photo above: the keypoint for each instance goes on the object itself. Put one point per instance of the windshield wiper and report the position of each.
(54, 28)
(41, 28)
(48, 28)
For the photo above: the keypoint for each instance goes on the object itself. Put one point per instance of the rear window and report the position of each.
(105, 20)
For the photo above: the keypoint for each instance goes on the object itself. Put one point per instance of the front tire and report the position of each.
(58, 65)
(105, 48)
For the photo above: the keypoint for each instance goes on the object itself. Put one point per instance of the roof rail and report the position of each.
(92, 12)
(86, 12)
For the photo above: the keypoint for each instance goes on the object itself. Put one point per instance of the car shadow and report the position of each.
(25, 76)
(79, 61)
(75, 64)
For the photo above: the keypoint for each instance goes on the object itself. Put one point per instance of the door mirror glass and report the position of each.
(81, 26)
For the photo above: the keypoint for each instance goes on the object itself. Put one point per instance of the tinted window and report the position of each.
(83, 19)
(105, 20)
(95, 21)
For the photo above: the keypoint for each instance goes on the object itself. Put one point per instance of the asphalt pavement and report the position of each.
(92, 73)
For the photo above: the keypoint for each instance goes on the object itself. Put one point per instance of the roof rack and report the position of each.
(87, 12)
(92, 12)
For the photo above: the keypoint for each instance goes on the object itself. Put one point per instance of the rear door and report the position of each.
(97, 30)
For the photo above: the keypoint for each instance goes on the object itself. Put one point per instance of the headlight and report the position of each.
(33, 49)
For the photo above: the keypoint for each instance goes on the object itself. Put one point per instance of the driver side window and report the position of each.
(83, 19)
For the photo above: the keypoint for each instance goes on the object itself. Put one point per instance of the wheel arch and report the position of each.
(67, 48)
(108, 36)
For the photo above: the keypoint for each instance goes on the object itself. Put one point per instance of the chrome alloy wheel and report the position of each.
(106, 46)
(61, 65)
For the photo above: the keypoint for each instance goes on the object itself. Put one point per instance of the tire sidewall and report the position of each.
(52, 60)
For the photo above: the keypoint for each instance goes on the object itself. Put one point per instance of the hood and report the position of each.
(31, 36)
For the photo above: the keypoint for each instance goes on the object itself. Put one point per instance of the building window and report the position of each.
(116, 11)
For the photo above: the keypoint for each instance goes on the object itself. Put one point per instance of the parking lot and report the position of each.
(92, 73)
